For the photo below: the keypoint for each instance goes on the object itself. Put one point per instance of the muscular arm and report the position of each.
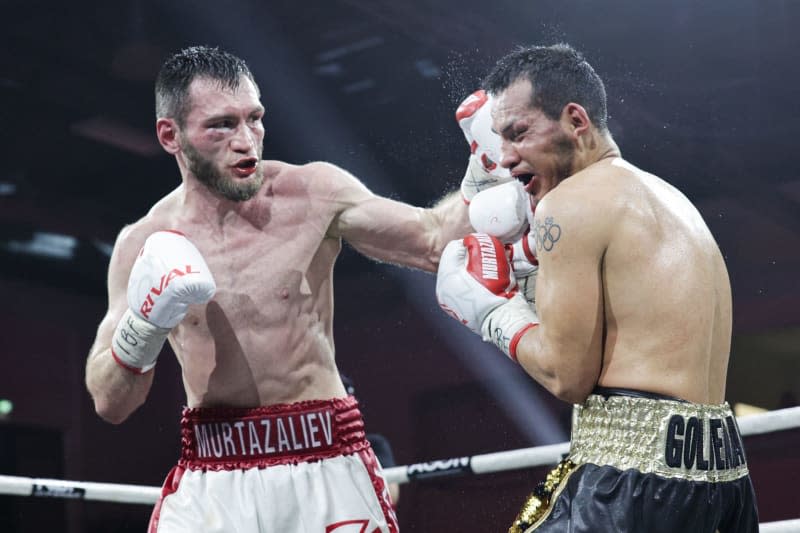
(393, 231)
(565, 352)
(116, 392)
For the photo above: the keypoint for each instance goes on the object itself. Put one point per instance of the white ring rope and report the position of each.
(784, 526)
(770, 421)
(758, 424)
(59, 488)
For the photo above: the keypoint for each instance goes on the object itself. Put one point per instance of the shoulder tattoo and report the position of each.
(547, 233)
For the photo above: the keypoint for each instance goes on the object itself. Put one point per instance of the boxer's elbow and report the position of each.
(114, 412)
(571, 364)
(114, 402)
(575, 378)
(564, 378)
(110, 416)
(570, 391)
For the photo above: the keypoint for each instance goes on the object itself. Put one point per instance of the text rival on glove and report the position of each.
(148, 303)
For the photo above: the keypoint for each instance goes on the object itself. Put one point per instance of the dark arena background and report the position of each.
(702, 93)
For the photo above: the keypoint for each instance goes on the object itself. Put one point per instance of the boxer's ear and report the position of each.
(577, 118)
(167, 132)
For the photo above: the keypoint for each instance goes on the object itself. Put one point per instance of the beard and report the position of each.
(565, 157)
(212, 177)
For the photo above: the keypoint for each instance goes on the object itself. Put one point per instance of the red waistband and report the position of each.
(225, 438)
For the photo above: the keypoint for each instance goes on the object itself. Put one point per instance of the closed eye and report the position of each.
(516, 135)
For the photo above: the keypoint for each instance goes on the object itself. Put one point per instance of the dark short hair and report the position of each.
(180, 69)
(559, 74)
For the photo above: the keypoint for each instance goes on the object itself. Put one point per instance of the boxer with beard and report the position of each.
(234, 268)
(625, 312)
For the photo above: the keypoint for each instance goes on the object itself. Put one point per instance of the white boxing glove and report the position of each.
(484, 170)
(526, 266)
(501, 211)
(476, 286)
(168, 275)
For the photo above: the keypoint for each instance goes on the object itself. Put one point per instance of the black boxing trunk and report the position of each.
(641, 462)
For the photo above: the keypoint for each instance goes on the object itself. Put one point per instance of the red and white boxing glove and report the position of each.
(484, 170)
(476, 286)
(505, 212)
(501, 211)
(525, 266)
(167, 277)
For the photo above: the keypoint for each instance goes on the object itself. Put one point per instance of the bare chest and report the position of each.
(265, 260)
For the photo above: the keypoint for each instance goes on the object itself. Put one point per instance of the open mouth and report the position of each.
(250, 162)
(245, 167)
(524, 178)
(527, 181)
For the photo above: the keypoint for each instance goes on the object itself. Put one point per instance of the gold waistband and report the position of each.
(669, 438)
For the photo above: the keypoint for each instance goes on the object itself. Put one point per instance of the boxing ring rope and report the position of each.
(757, 424)
(59, 488)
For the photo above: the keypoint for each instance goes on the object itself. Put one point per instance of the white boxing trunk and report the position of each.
(290, 468)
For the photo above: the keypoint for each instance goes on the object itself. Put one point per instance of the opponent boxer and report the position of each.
(632, 320)
(234, 269)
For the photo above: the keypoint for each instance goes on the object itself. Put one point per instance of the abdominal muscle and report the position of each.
(231, 356)
(266, 337)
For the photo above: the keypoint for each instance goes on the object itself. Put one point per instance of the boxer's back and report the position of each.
(667, 295)
(266, 337)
